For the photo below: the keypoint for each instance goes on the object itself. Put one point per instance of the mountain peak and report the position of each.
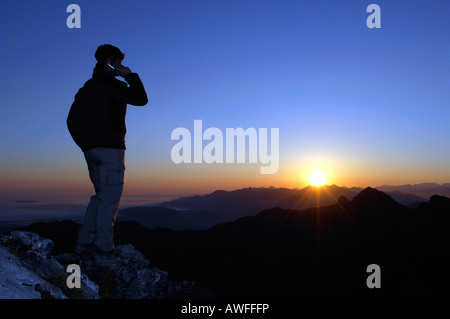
(372, 196)
(439, 204)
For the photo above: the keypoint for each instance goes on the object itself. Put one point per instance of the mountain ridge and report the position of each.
(200, 212)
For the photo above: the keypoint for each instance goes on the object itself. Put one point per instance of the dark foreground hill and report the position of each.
(319, 252)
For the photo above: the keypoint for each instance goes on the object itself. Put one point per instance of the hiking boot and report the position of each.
(98, 251)
(102, 257)
(83, 249)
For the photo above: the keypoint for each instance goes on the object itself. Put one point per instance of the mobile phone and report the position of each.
(111, 66)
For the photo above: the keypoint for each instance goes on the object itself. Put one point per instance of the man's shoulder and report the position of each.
(107, 82)
(98, 83)
(90, 82)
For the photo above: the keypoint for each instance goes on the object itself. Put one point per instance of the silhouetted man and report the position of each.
(96, 122)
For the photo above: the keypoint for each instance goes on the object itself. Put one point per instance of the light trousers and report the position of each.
(106, 171)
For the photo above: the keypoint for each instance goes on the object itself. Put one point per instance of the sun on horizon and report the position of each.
(317, 178)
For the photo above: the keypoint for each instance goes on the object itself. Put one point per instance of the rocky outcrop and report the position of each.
(30, 271)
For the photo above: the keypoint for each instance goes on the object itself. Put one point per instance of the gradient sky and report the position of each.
(367, 106)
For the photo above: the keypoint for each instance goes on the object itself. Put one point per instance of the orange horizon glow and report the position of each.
(170, 180)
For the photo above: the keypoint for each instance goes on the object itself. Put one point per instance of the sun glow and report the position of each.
(317, 178)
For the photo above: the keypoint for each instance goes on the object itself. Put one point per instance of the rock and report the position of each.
(19, 282)
(30, 271)
(32, 256)
(148, 284)
(28, 243)
(34, 252)
(128, 275)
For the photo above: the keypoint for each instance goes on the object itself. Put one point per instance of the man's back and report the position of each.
(97, 116)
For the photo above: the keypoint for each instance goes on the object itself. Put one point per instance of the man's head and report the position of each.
(107, 53)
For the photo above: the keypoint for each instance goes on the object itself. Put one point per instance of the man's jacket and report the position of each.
(97, 115)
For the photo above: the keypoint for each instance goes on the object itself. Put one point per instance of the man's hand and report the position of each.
(123, 71)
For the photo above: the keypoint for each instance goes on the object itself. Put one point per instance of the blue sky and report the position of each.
(367, 106)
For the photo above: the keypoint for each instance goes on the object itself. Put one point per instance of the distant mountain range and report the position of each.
(425, 190)
(320, 252)
(201, 212)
